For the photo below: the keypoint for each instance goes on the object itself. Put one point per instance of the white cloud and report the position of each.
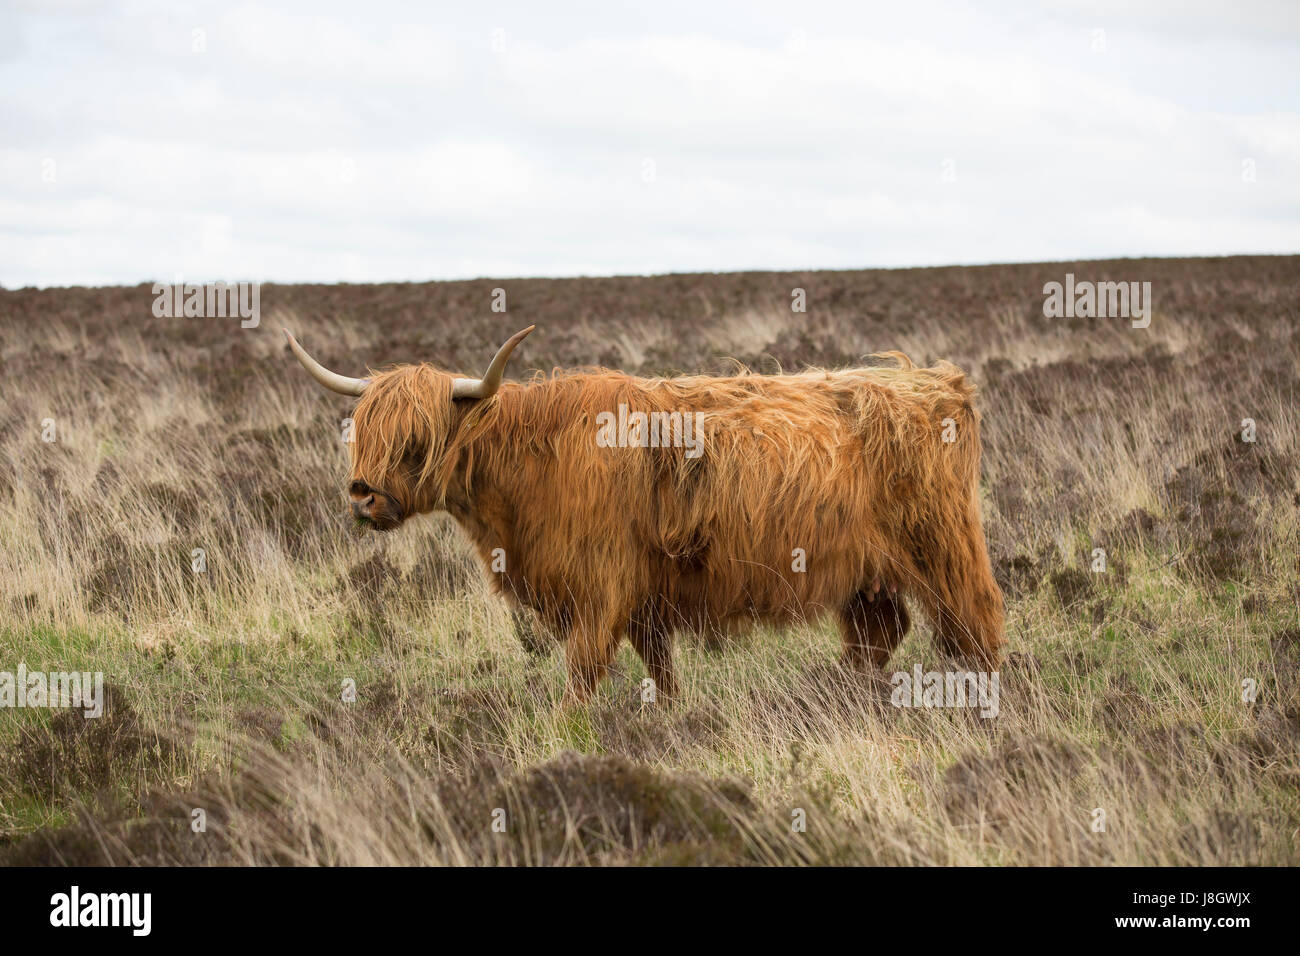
(324, 142)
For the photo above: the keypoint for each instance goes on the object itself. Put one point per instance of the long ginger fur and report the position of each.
(849, 468)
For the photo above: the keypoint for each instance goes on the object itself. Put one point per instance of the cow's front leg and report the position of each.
(654, 644)
(588, 652)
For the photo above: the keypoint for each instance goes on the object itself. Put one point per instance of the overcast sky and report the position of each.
(344, 141)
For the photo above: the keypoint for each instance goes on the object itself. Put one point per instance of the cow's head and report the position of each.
(407, 425)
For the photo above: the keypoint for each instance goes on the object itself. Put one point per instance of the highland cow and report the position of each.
(839, 492)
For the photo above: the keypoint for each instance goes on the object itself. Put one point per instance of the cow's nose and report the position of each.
(361, 506)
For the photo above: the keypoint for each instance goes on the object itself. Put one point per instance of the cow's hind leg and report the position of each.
(654, 644)
(872, 628)
(962, 599)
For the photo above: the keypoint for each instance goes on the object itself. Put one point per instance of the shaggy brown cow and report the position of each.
(728, 500)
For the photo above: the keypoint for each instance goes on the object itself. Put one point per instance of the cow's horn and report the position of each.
(487, 386)
(331, 380)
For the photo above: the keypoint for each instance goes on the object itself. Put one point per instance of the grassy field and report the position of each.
(1125, 734)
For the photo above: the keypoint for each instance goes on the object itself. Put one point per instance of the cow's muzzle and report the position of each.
(374, 508)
